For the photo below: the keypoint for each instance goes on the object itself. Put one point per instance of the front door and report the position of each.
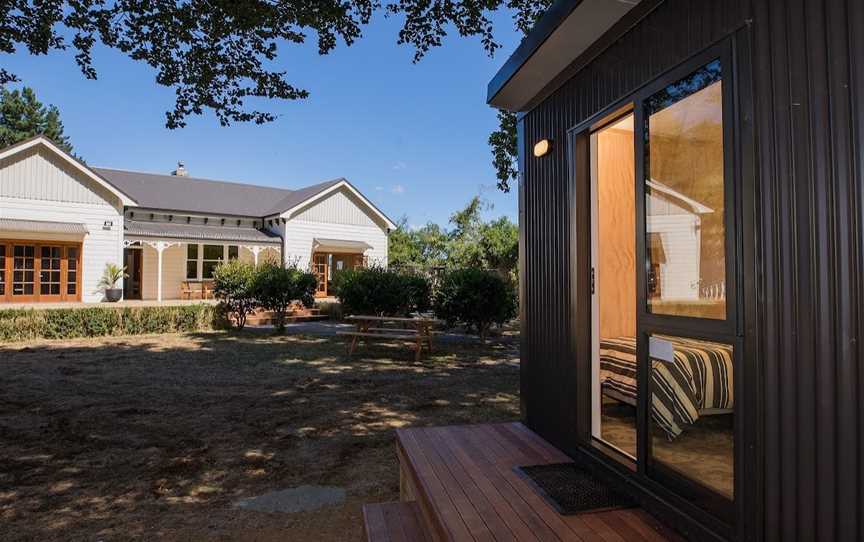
(665, 327)
(132, 283)
(321, 268)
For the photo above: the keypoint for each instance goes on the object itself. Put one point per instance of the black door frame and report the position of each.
(739, 329)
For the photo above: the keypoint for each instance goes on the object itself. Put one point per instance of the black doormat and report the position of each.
(573, 489)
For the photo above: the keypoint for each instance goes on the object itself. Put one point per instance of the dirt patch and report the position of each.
(156, 437)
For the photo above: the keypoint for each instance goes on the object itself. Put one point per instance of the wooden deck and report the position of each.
(464, 488)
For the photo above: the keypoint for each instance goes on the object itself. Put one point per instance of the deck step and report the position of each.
(463, 485)
(393, 522)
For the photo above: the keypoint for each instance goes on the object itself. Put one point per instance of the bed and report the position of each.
(697, 383)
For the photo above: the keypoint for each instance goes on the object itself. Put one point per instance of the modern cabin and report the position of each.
(692, 253)
(62, 222)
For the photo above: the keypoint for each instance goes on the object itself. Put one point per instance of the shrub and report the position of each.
(475, 298)
(277, 287)
(382, 292)
(30, 324)
(234, 287)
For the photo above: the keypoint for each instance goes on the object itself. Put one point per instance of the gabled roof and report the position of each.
(323, 191)
(190, 194)
(46, 143)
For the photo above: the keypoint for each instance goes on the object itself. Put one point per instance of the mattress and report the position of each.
(697, 382)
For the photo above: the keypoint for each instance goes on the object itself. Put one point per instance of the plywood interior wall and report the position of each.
(615, 272)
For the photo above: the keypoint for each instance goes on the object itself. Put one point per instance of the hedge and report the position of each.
(29, 324)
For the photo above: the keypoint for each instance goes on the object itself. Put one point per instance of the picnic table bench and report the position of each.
(416, 331)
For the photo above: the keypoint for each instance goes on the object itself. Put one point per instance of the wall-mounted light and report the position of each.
(107, 225)
(542, 147)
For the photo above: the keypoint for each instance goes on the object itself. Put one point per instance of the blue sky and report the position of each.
(412, 137)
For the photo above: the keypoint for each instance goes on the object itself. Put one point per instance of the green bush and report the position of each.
(277, 288)
(382, 292)
(475, 298)
(30, 324)
(234, 287)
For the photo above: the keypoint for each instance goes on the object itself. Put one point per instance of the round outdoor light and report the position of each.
(542, 147)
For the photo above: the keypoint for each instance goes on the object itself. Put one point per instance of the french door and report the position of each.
(665, 331)
(39, 271)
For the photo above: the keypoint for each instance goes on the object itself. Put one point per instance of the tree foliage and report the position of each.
(23, 116)
(382, 292)
(504, 145)
(475, 298)
(277, 288)
(234, 285)
(222, 55)
(472, 242)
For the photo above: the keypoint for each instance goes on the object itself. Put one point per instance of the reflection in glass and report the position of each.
(684, 198)
(614, 306)
(692, 409)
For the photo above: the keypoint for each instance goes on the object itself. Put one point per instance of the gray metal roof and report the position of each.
(175, 193)
(42, 226)
(171, 230)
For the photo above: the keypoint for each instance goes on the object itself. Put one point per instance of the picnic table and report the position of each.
(415, 330)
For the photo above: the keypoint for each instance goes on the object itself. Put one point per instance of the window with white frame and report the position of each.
(201, 260)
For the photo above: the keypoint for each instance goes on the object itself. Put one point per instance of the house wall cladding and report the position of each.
(37, 186)
(800, 67)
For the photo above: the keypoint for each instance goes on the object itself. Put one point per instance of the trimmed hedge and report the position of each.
(28, 324)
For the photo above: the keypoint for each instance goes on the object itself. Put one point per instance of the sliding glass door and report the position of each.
(665, 329)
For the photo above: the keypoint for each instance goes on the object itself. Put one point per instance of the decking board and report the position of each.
(465, 479)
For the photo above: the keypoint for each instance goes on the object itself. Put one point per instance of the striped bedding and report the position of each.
(697, 383)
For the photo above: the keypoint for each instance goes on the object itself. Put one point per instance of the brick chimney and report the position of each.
(180, 171)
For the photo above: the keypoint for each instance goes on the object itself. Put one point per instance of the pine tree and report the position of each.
(23, 116)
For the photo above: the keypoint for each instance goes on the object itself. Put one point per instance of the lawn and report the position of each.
(156, 436)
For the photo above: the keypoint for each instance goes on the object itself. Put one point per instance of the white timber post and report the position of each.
(255, 251)
(159, 246)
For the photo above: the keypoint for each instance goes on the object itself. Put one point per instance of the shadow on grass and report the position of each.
(112, 437)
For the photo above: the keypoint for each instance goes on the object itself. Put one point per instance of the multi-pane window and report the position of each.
(49, 271)
(212, 257)
(233, 252)
(23, 269)
(72, 270)
(192, 261)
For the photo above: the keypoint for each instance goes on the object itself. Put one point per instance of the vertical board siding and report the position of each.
(38, 174)
(808, 80)
(340, 207)
(808, 241)
(644, 53)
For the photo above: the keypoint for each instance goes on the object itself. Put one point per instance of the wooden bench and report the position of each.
(393, 522)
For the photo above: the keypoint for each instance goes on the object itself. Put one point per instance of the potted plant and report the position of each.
(108, 284)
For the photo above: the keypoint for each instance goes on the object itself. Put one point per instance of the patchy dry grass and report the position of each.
(155, 437)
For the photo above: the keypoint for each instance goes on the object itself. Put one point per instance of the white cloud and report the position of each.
(397, 189)
(399, 166)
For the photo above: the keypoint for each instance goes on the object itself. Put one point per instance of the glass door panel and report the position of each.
(23, 270)
(2, 270)
(72, 271)
(685, 327)
(685, 197)
(693, 409)
(613, 203)
(49, 271)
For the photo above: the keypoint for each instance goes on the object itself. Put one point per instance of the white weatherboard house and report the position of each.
(62, 222)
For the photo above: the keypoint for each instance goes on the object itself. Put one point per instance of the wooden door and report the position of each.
(320, 269)
(132, 283)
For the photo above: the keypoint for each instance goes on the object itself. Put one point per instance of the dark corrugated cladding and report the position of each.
(808, 65)
(800, 71)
